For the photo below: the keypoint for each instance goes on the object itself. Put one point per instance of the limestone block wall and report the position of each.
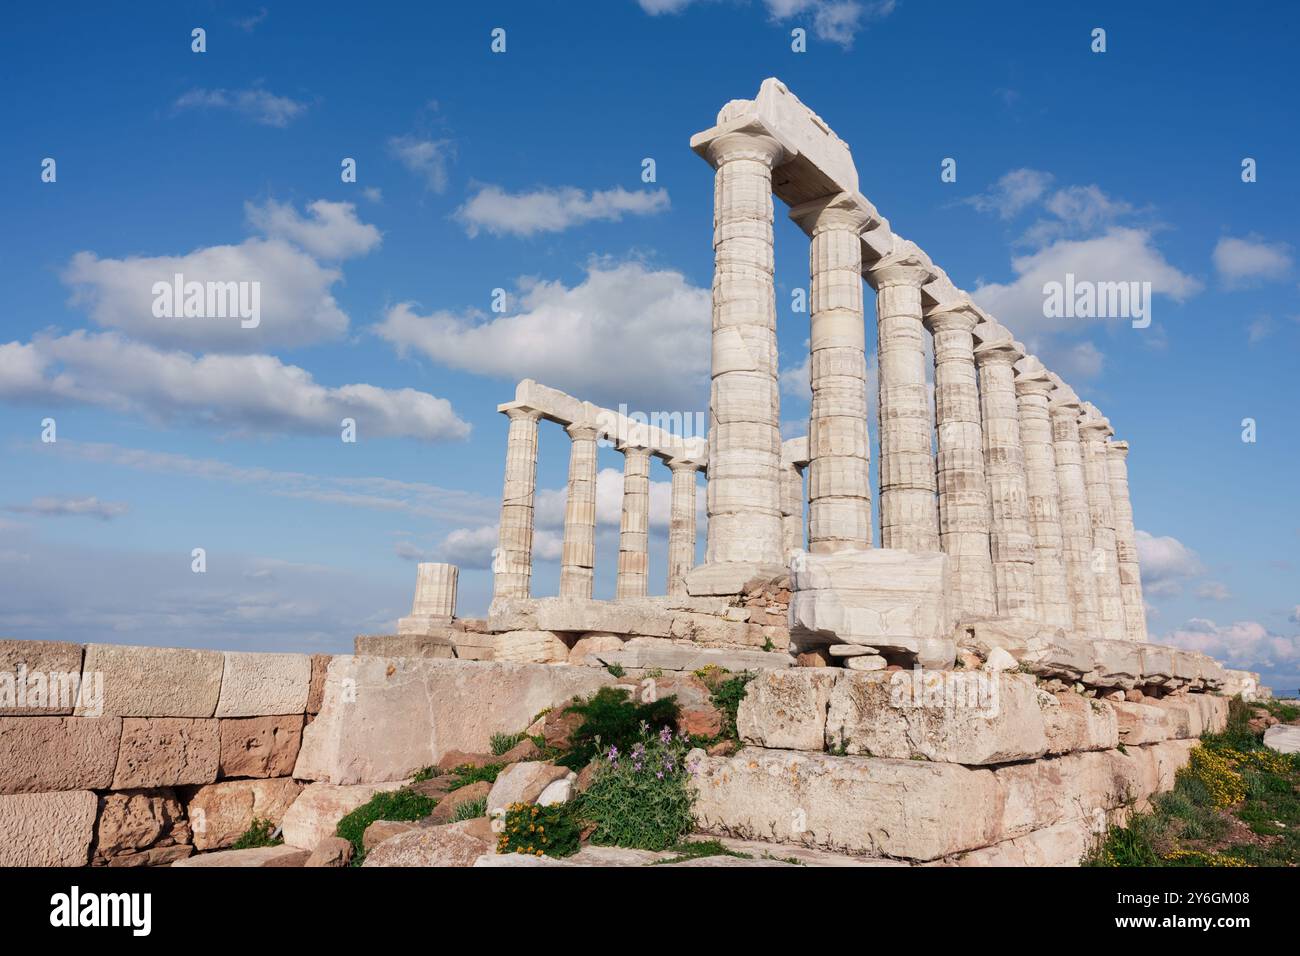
(143, 755)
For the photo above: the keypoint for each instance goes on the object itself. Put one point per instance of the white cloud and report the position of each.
(249, 24)
(243, 393)
(1213, 591)
(837, 21)
(427, 158)
(1247, 645)
(1245, 261)
(553, 209)
(472, 547)
(332, 232)
(624, 334)
(258, 105)
(1166, 563)
(56, 506)
(1013, 193)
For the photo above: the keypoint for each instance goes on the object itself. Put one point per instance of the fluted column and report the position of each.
(1076, 517)
(744, 506)
(1053, 591)
(578, 558)
(909, 516)
(1130, 573)
(839, 491)
(634, 530)
(1093, 431)
(512, 565)
(1004, 464)
(963, 489)
(681, 525)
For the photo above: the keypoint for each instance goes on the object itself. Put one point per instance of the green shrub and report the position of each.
(501, 743)
(466, 774)
(258, 834)
(389, 805)
(727, 694)
(426, 773)
(611, 718)
(469, 810)
(640, 798)
(540, 831)
(700, 848)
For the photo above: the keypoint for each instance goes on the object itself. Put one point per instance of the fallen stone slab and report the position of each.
(1284, 738)
(220, 813)
(786, 709)
(260, 746)
(154, 681)
(167, 752)
(455, 844)
(864, 805)
(45, 675)
(387, 718)
(258, 856)
(320, 806)
(47, 829)
(964, 717)
(40, 754)
(259, 685)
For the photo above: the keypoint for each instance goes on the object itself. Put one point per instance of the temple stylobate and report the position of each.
(1008, 502)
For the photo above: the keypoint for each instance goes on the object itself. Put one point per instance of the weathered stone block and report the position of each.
(39, 754)
(260, 746)
(1117, 664)
(167, 752)
(523, 783)
(1146, 724)
(320, 806)
(47, 673)
(438, 644)
(965, 717)
(455, 844)
(252, 858)
(530, 647)
(47, 829)
(384, 719)
(899, 808)
(220, 813)
(257, 685)
(649, 653)
(320, 664)
(155, 681)
(1075, 723)
(786, 709)
(140, 827)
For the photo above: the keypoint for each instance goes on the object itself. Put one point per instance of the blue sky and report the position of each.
(522, 171)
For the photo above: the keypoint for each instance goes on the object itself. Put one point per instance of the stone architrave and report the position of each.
(839, 492)
(1094, 429)
(963, 488)
(578, 559)
(1033, 389)
(1011, 543)
(909, 515)
(512, 565)
(1130, 573)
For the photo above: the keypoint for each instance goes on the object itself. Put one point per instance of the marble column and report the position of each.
(1130, 574)
(681, 524)
(578, 558)
(1011, 543)
(512, 565)
(1033, 389)
(792, 507)
(1076, 517)
(435, 599)
(743, 493)
(909, 515)
(963, 489)
(839, 491)
(1093, 432)
(634, 530)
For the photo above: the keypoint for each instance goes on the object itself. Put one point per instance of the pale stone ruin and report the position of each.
(978, 689)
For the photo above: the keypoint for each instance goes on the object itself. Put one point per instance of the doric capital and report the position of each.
(1094, 422)
(580, 431)
(517, 411)
(1117, 449)
(993, 333)
(1032, 382)
(960, 317)
(906, 264)
(684, 464)
(996, 353)
(750, 141)
(848, 211)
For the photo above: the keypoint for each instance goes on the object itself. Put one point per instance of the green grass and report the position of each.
(466, 774)
(389, 805)
(258, 834)
(700, 848)
(501, 743)
(470, 810)
(425, 774)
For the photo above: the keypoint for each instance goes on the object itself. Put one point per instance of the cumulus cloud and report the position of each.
(258, 105)
(293, 289)
(1013, 193)
(625, 333)
(427, 158)
(1251, 260)
(1247, 645)
(836, 21)
(89, 507)
(553, 209)
(242, 393)
(1166, 564)
(1213, 591)
(332, 231)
